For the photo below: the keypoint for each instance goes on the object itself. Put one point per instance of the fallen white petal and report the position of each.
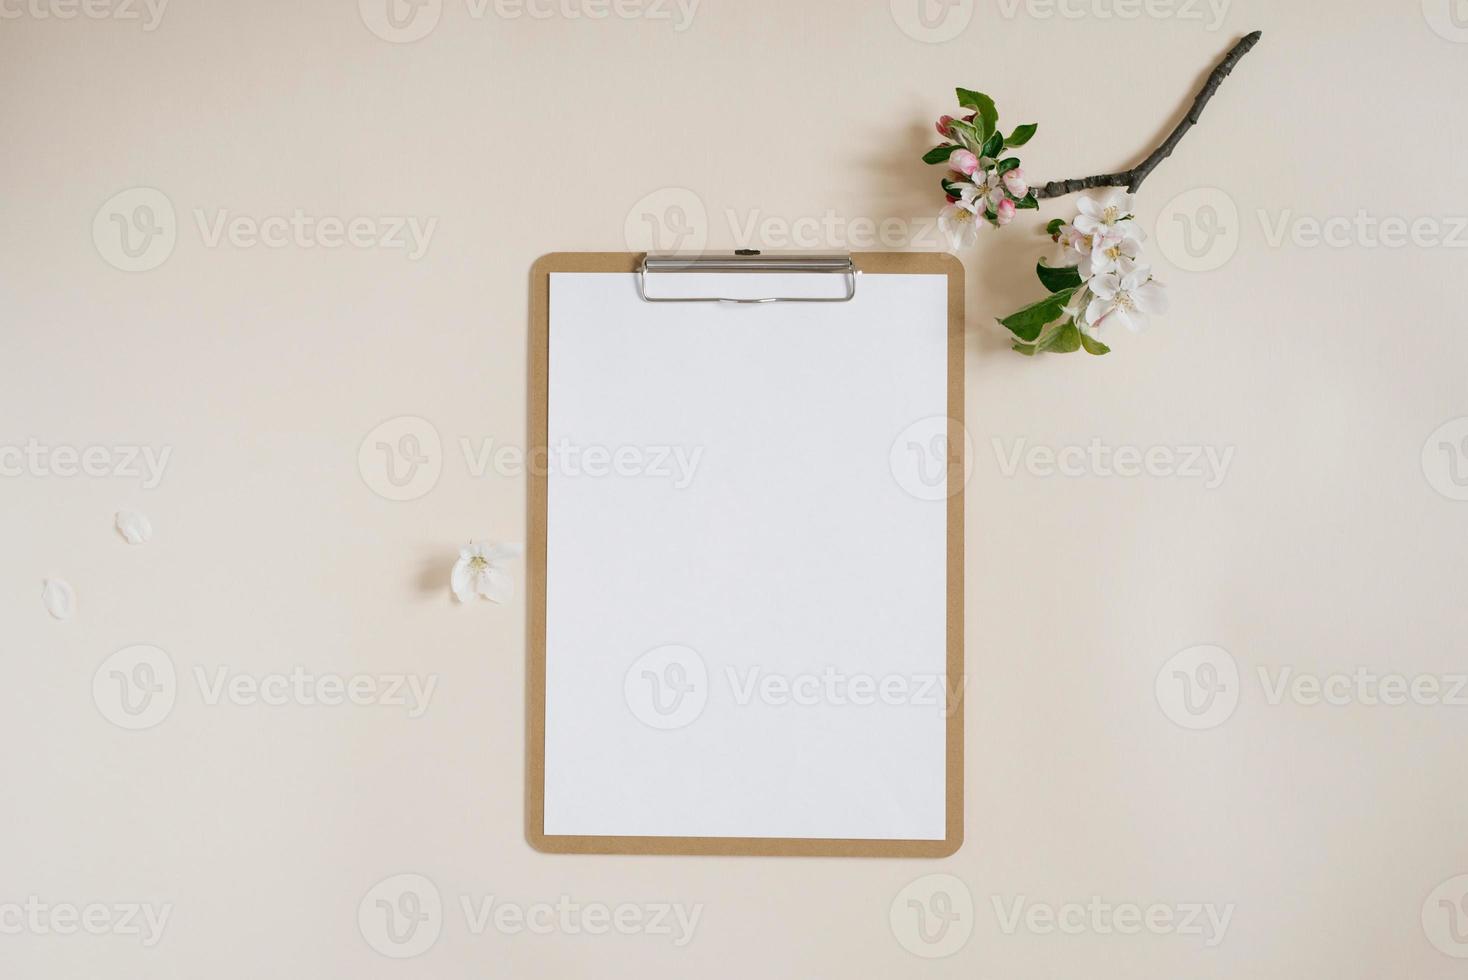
(59, 597)
(134, 526)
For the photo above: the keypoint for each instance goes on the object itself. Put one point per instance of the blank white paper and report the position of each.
(724, 524)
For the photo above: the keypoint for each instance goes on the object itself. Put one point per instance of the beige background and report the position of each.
(1327, 547)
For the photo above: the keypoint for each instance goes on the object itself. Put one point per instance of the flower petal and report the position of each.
(1150, 298)
(459, 580)
(1118, 199)
(59, 597)
(959, 224)
(495, 584)
(134, 527)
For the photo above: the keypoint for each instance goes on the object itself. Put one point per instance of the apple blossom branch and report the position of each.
(1132, 179)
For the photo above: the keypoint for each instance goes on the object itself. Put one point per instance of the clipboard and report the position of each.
(601, 781)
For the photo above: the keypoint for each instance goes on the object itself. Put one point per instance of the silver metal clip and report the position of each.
(747, 260)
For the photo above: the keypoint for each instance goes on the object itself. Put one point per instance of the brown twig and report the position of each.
(1132, 179)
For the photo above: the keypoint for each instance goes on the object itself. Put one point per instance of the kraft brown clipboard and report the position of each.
(867, 264)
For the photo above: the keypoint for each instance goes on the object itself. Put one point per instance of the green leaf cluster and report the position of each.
(1043, 326)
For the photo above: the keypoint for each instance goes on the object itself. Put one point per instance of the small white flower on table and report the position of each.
(480, 571)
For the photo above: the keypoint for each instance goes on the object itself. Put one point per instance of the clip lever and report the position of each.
(747, 260)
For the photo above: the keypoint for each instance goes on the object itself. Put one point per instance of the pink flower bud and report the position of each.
(963, 161)
(1005, 211)
(942, 125)
(1014, 182)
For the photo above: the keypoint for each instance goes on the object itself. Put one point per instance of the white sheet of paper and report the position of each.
(745, 606)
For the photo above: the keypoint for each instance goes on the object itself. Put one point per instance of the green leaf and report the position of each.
(1028, 203)
(1062, 338)
(992, 146)
(939, 154)
(966, 134)
(1027, 323)
(1094, 346)
(1053, 228)
(1065, 340)
(1007, 164)
(1028, 350)
(1021, 135)
(1058, 277)
(983, 106)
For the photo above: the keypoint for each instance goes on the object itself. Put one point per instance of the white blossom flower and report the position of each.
(1126, 295)
(1097, 253)
(960, 219)
(1101, 216)
(479, 571)
(991, 185)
